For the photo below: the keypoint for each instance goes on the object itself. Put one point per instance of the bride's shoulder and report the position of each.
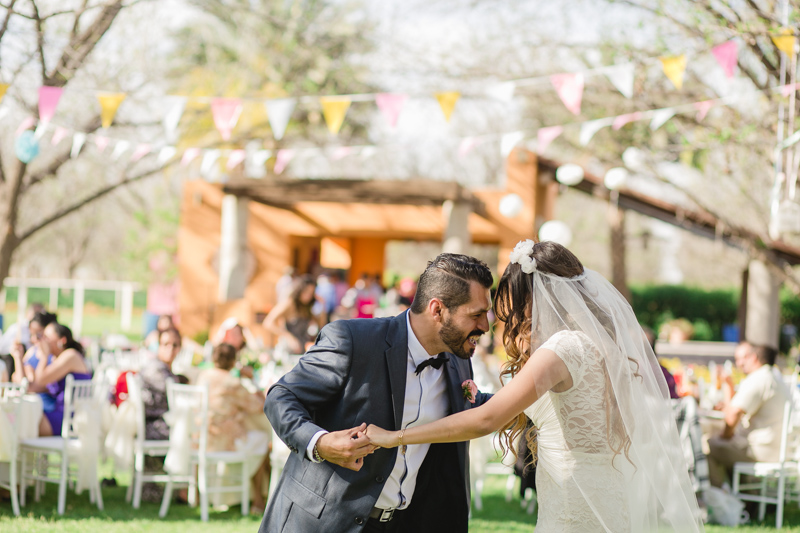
(568, 338)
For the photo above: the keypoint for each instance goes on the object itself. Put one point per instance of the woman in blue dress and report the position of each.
(50, 375)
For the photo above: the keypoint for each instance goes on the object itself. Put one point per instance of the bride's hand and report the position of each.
(381, 437)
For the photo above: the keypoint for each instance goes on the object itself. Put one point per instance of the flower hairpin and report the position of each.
(522, 256)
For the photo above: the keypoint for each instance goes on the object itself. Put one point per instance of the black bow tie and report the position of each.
(435, 362)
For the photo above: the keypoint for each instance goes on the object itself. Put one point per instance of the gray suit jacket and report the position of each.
(356, 372)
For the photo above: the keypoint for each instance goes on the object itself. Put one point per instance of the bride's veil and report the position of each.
(641, 427)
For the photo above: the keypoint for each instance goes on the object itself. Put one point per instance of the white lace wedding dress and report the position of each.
(580, 483)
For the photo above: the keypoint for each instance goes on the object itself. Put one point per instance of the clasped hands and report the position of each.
(348, 447)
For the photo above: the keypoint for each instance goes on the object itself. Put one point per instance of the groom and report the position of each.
(382, 371)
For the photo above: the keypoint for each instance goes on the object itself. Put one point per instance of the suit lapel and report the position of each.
(396, 364)
(454, 380)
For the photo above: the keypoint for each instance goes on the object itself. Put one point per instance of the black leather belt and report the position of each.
(383, 515)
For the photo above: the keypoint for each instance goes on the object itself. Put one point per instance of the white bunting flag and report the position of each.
(509, 141)
(367, 152)
(278, 113)
(621, 77)
(173, 117)
(165, 154)
(120, 148)
(660, 117)
(254, 164)
(207, 166)
(77, 143)
(588, 129)
(502, 91)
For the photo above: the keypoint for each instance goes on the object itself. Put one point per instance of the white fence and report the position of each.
(123, 299)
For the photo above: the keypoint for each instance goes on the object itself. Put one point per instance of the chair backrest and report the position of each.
(12, 390)
(134, 383)
(194, 399)
(77, 392)
(11, 406)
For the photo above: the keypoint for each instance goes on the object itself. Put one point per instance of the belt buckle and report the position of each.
(386, 515)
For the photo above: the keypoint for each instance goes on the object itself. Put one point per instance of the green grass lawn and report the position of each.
(118, 517)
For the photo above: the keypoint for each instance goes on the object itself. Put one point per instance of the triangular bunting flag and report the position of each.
(226, 113)
(261, 157)
(621, 120)
(674, 67)
(367, 152)
(173, 117)
(447, 101)
(660, 117)
(40, 129)
(502, 91)
(101, 142)
(3, 89)
(621, 77)
(466, 145)
(78, 141)
(727, 56)
(282, 159)
(570, 89)
(703, 108)
(391, 105)
(509, 141)
(141, 151)
(59, 135)
(48, 100)
(121, 147)
(340, 152)
(235, 159)
(785, 42)
(26, 124)
(209, 158)
(165, 154)
(588, 129)
(545, 136)
(109, 103)
(334, 109)
(189, 155)
(788, 89)
(278, 113)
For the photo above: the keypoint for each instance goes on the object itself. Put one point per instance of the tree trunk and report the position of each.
(616, 222)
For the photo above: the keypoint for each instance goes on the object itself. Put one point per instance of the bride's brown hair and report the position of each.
(513, 299)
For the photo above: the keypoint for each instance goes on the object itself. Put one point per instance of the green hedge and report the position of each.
(65, 297)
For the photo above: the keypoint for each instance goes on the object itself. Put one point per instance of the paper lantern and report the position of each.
(556, 231)
(511, 205)
(635, 159)
(569, 174)
(615, 178)
(26, 147)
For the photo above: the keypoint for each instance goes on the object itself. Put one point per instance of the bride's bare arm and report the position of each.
(544, 371)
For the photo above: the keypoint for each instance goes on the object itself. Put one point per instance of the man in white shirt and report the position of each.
(396, 372)
(753, 416)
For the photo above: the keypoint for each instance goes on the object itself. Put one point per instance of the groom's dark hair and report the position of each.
(447, 278)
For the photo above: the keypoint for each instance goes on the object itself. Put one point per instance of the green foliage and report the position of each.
(708, 311)
(201, 337)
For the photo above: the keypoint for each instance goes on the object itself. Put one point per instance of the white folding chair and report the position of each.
(11, 409)
(141, 446)
(79, 399)
(191, 402)
(782, 471)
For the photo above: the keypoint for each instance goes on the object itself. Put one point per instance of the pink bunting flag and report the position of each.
(570, 89)
(141, 151)
(545, 136)
(282, 159)
(189, 155)
(26, 124)
(727, 56)
(466, 145)
(391, 105)
(101, 142)
(703, 108)
(59, 135)
(235, 159)
(48, 100)
(621, 120)
(341, 152)
(226, 113)
(788, 89)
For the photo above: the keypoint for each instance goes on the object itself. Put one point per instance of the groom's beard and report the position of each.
(457, 340)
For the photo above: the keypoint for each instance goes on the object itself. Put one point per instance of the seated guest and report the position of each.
(235, 416)
(163, 324)
(50, 375)
(25, 366)
(759, 402)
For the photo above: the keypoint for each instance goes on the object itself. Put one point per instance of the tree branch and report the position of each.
(39, 39)
(9, 12)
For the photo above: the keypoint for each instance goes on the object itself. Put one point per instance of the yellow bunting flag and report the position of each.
(674, 67)
(109, 103)
(785, 42)
(3, 89)
(447, 101)
(334, 110)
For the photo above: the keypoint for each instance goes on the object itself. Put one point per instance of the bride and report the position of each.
(608, 453)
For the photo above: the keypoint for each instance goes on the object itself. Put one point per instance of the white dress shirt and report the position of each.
(425, 401)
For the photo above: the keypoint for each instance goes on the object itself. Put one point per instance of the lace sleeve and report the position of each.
(568, 347)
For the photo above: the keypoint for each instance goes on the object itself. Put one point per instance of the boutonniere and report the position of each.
(470, 390)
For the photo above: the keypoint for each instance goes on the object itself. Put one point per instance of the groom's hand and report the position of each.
(346, 448)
